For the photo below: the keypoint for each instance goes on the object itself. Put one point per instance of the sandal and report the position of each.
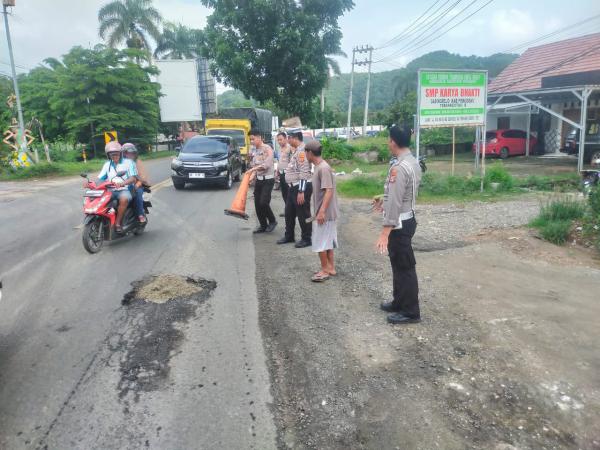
(318, 278)
(118, 228)
(142, 219)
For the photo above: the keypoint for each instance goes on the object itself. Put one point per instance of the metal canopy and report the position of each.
(538, 98)
(512, 108)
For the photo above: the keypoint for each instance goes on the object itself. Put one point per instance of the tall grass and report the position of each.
(556, 219)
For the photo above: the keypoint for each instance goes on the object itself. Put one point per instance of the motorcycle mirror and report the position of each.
(83, 175)
(120, 173)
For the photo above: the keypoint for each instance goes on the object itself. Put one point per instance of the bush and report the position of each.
(558, 210)
(594, 202)
(40, 170)
(336, 149)
(497, 173)
(450, 185)
(556, 232)
(556, 218)
(550, 183)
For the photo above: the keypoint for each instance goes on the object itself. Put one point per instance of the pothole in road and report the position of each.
(163, 288)
(157, 309)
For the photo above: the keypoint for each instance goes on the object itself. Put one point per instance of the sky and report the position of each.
(42, 28)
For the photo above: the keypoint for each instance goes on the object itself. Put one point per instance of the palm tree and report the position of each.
(131, 22)
(332, 67)
(178, 42)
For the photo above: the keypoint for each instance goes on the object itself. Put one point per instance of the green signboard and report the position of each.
(449, 98)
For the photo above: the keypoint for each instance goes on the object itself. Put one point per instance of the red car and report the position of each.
(505, 143)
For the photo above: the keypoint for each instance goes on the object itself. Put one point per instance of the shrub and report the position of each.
(594, 202)
(336, 149)
(556, 218)
(450, 185)
(497, 173)
(565, 209)
(556, 232)
(550, 183)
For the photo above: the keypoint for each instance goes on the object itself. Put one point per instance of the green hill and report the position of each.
(389, 86)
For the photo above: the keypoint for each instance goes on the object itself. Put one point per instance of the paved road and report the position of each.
(80, 370)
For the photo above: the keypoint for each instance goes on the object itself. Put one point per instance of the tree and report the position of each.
(131, 22)
(274, 50)
(6, 90)
(178, 42)
(401, 112)
(121, 95)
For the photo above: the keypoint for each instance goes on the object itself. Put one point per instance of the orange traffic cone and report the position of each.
(238, 206)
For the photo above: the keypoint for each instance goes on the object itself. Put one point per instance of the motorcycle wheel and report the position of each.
(93, 236)
(139, 230)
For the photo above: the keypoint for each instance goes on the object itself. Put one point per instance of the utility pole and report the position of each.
(348, 134)
(367, 62)
(23, 143)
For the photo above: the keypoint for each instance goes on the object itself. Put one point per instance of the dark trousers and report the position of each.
(293, 210)
(138, 201)
(285, 188)
(402, 258)
(262, 201)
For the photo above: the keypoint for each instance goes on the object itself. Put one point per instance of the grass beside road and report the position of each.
(66, 168)
(437, 187)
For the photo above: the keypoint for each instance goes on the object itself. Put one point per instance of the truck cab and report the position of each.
(237, 129)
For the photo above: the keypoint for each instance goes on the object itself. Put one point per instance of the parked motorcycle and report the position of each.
(101, 212)
(590, 178)
(422, 159)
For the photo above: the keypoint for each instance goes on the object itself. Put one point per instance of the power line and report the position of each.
(568, 28)
(410, 50)
(437, 20)
(16, 65)
(403, 33)
(551, 68)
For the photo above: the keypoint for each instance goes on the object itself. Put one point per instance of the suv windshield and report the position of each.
(207, 146)
(238, 135)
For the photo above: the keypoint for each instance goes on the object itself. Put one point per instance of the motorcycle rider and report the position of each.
(131, 153)
(117, 164)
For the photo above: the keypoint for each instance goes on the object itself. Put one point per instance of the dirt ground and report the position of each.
(506, 356)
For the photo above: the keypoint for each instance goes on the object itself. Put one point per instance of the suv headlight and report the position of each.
(176, 163)
(221, 163)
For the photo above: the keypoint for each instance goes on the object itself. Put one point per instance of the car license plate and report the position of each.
(196, 175)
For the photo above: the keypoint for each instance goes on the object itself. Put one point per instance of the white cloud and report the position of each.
(512, 27)
(42, 29)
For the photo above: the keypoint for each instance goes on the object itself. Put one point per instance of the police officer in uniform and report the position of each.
(298, 176)
(263, 169)
(399, 226)
(285, 150)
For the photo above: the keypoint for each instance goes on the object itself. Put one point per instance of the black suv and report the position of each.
(207, 159)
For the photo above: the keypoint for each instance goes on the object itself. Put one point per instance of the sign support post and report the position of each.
(453, 148)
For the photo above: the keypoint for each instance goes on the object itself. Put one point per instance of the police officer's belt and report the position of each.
(265, 177)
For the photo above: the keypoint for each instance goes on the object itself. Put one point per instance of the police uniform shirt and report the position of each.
(263, 158)
(299, 169)
(400, 191)
(291, 171)
(284, 158)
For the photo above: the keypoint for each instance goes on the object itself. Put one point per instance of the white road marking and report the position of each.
(31, 259)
